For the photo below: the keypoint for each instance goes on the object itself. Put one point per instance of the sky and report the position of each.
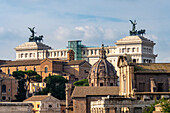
(92, 21)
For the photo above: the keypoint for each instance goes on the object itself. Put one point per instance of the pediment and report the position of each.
(51, 99)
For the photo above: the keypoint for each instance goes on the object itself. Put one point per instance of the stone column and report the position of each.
(68, 86)
(131, 109)
(118, 109)
(143, 108)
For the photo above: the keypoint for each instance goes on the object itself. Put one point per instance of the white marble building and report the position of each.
(140, 48)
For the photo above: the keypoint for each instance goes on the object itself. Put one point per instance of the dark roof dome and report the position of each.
(102, 72)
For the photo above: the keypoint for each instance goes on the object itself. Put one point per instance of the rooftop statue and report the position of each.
(34, 38)
(32, 31)
(134, 31)
(134, 25)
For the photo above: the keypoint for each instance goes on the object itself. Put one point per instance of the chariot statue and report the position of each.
(134, 31)
(34, 38)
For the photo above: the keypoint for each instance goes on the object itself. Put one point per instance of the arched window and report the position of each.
(25, 68)
(46, 69)
(101, 84)
(3, 88)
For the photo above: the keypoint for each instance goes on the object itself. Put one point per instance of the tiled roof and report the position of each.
(76, 62)
(37, 98)
(152, 68)
(27, 62)
(83, 91)
(21, 63)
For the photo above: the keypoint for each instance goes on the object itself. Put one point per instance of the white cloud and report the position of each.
(88, 34)
(2, 30)
(152, 37)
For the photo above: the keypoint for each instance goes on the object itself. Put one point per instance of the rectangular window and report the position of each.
(160, 87)
(95, 52)
(128, 50)
(111, 84)
(133, 49)
(123, 50)
(141, 87)
(8, 71)
(91, 52)
(38, 105)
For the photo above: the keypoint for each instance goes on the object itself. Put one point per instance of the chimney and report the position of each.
(49, 94)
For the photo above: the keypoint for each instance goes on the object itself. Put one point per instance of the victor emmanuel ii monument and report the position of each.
(137, 45)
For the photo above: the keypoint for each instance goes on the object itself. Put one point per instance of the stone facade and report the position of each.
(82, 96)
(72, 70)
(144, 81)
(140, 48)
(119, 105)
(15, 107)
(8, 88)
(44, 104)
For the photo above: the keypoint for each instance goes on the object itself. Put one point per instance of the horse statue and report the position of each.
(141, 32)
(39, 39)
(34, 38)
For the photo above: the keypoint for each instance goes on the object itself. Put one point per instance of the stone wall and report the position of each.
(79, 105)
(158, 78)
(15, 107)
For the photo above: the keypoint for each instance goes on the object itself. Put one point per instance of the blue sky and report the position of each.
(99, 21)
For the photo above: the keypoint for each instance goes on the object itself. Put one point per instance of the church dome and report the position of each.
(102, 73)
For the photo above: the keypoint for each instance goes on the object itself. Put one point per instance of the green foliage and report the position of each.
(32, 75)
(165, 104)
(21, 94)
(55, 85)
(83, 82)
(18, 74)
(24, 79)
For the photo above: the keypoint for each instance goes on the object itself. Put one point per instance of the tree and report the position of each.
(55, 85)
(165, 105)
(83, 82)
(24, 79)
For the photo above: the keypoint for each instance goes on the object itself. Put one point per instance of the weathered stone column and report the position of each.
(131, 109)
(118, 109)
(143, 108)
(68, 86)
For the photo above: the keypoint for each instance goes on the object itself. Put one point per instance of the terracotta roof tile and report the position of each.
(76, 62)
(83, 91)
(37, 98)
(21, 63)
(152, 68)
